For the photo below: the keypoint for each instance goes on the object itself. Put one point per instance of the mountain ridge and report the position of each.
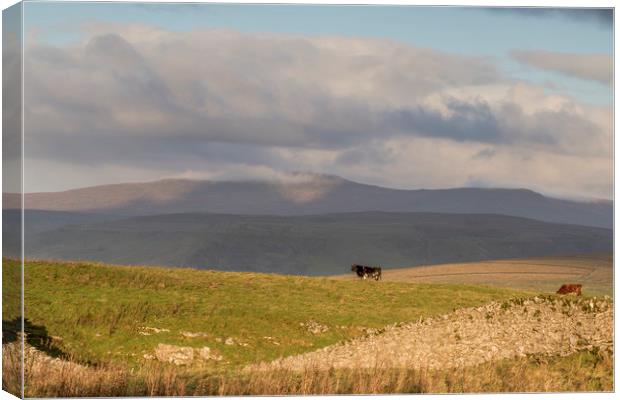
(309, 176)
(310, 195)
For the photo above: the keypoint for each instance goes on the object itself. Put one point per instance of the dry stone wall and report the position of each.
(539, 325)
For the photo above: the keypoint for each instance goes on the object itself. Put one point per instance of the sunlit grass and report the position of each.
(95, 311)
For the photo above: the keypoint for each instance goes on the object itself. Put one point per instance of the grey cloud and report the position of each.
(227, 86)
(485, 154)
(561, 130)
(467, 122)
(600, 16)
(11, 92)
(596, 67)
(132, 95)
(368, 154)
(11, 107)
(129, 69)
(474, 181)
(157, 100)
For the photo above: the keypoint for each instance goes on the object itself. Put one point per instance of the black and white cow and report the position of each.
(365, 272)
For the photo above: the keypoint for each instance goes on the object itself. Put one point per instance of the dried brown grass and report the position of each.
(11, 368)
(584, 371)
(45, 376)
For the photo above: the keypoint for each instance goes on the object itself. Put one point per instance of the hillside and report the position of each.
(104, 330)
(101, 312)
(307, 194)
(542, 274)
(305, 245)
(37, 221)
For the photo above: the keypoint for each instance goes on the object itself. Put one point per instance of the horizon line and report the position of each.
(280, 181)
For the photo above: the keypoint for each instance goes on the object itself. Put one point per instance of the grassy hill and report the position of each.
(539, 274)
(111, 316)
(304, 245)
(97, 312)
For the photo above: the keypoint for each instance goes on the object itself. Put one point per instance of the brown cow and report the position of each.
(570, 288)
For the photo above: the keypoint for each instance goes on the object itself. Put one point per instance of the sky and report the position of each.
(397, 96)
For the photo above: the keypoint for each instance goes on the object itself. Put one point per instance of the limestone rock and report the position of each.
(176, 355)
(206, 354)
(193, 334)
(314, 327)
(540, 325)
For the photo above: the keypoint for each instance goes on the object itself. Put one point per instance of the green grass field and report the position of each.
(94, 312)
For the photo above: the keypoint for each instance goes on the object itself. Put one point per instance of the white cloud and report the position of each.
(596, 67)
(221, 104)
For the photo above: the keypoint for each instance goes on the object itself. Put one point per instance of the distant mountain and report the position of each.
(312, 194)
(305, 245)
(36, 221)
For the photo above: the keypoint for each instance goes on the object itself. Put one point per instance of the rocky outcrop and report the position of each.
(148, 331)
(539, 325)
(314, 327)
(192, 335)
(181, 355)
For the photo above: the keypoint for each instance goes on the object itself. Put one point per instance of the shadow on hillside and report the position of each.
(36, 336)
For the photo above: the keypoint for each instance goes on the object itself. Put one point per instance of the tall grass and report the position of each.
(583, 371)
(49, 377)
(12, 368)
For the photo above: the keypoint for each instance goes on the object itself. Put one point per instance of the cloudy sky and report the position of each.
(403, 97)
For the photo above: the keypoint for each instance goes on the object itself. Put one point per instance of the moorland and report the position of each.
(126, 330)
